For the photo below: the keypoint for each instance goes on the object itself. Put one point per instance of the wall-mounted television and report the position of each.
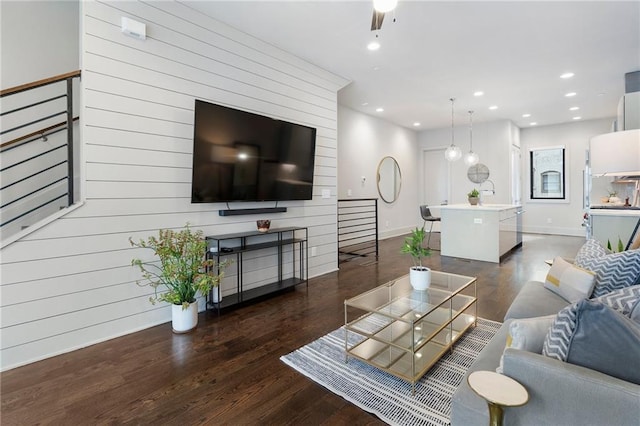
(241, 156)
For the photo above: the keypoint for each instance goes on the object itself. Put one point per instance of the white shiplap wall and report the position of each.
(70, 284)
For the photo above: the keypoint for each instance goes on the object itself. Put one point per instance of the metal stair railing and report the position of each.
(357, 228)
(28, 173)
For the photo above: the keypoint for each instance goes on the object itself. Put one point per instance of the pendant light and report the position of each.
(471, 158)
(452, 153)
(384, 6)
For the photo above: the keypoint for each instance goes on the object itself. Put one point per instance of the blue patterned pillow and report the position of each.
(595, 336)
(592, 248)
(613, 270)
(626, 301)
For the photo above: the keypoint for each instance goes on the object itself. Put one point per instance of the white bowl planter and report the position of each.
(184, 320)
(420, 277)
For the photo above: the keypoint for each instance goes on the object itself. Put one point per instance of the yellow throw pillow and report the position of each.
(570, 282)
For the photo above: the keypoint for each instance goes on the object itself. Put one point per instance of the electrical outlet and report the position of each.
(477, 220)
(349, 193)
(313, 251)
(549, 220)
(386, 224)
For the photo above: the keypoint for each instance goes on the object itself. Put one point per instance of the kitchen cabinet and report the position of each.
(615, 154)
(609, 225)
(487, 232)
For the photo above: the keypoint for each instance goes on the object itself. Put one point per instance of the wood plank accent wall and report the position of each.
(70, 284)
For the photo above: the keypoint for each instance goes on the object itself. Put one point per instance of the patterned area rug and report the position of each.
(383, 394)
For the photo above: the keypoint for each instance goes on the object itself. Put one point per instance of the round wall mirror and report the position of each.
(389, 179)
(478, 173)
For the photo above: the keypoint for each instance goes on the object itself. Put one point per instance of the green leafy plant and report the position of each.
(183, 270)
(474, 193)
(620, 245)
(413, 246)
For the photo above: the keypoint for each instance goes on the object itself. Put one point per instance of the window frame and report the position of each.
(537, 167)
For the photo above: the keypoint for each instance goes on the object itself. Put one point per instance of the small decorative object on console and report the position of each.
(263, 225)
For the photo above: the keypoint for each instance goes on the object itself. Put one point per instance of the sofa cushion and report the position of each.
(595, 336)
(568, 281)
(527, 334)
(591, 248)
(613, 270)
(534, 300)
(626, 301)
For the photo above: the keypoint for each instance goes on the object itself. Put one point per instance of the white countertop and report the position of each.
(487, 207)
(613, 212)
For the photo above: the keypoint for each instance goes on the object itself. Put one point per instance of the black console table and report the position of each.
(228, 245)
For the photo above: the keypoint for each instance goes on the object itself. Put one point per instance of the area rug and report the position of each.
(383, 394)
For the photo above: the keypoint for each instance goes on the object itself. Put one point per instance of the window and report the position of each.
(547, 177)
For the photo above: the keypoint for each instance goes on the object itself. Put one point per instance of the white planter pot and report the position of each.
(184, 320)
(420, 277)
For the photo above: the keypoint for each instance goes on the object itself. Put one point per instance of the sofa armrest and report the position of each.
(565, 394)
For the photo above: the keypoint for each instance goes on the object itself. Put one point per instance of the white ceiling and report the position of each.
(513, 51)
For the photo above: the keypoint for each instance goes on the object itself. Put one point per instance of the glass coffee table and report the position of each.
(405, 332)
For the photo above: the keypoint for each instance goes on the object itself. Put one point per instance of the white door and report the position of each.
(516, 175)
(435, 182)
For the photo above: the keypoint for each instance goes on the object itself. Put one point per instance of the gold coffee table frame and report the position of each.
(405, 332)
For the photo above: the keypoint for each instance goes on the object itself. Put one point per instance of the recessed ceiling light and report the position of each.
(365, 103)
(376, 68)
(577, 118)
(374, 45)
(492, 107)
(533, 123)
(570, 94)
(417, 123)
(574, 108)
(526, 115)
(379, 109)
(567, 75)
(478, 93)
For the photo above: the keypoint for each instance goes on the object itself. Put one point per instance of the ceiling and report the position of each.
(513, 51)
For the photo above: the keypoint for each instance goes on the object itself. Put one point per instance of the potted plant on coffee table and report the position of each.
(419, 275)
(182, 274)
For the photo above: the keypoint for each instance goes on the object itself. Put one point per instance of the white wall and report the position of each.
(491, 141)
(30, 49)
(559, 217)
(364, 142)
(70, 284)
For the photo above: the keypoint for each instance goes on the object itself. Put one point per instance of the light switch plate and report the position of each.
(326, 193)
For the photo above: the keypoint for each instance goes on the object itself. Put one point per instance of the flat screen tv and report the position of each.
(241, 156)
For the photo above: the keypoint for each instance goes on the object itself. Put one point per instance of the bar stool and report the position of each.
(428, 217)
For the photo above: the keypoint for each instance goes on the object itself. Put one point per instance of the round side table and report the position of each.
(499, 391)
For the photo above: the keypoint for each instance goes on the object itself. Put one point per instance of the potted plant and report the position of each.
(419, 275)
(474, 197)
(183, 272)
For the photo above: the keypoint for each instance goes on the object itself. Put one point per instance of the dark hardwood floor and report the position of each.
(228, 370)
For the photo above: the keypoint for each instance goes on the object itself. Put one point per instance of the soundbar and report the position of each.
(238, 212)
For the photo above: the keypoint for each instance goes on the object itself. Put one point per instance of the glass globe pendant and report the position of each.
(384, 5)
(471, 158)
(452, 153)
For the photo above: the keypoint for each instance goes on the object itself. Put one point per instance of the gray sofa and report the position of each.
(559, 393)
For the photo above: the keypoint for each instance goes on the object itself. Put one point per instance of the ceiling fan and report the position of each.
(380, 7)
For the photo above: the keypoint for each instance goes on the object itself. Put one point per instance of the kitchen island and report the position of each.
(484, 232)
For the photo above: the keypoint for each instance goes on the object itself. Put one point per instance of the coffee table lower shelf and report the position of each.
(397, 356)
